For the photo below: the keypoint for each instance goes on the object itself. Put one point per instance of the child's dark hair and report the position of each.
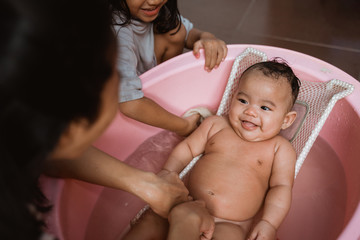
(276, 68)
(168, 18)
(54, 63)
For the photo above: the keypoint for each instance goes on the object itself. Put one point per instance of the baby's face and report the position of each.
(145, 10)
(260, 107)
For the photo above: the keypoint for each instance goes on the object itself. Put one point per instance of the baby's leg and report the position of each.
(149, 227)
(231, 230)
(168, 46)
(228, 231)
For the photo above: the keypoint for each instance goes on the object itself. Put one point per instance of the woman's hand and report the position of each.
(165, 191)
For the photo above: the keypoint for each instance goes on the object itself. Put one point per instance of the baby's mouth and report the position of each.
(248, 125)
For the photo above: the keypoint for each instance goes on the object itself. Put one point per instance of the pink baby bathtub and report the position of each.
(326, 195)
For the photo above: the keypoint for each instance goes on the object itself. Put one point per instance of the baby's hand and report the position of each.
(264, 231)
(215, 50)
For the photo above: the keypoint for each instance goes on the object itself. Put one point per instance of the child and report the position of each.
(247, 168)
(149, 33)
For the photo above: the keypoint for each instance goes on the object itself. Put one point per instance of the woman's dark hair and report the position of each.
(168, 18)
(54, 63)
(277, 68)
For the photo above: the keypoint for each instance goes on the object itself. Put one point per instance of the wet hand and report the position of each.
(215, 50)
(168, 190)
(192, 122)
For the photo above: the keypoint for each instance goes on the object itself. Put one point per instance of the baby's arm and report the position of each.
(278, 199)
(215, 49)
(190, 147)
(149, 112)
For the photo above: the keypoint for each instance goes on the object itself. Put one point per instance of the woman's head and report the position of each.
(163, 13)
(55, 61)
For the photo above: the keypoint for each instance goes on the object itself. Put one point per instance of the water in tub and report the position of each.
(318, 206)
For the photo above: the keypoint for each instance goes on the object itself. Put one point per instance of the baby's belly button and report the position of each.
(211, 193)
(203, 193)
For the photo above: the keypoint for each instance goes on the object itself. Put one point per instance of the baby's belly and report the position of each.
(230, 192)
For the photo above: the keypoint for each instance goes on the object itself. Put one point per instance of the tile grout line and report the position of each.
(310, 43)
(239, 26)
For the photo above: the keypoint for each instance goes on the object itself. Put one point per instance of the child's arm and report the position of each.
(278, 199)
(95, 166)
(149, 112)
(215, 49)
(189, 148)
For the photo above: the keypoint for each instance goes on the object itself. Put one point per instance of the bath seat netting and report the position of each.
(313, 106)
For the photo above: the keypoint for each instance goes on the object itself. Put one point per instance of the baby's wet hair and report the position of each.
(276, 68)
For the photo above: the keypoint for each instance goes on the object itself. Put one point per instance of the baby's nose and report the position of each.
(251, 111)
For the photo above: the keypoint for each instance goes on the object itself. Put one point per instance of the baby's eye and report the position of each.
(265, 108)
(242, 101)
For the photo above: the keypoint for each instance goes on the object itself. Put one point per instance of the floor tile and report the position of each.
(326, 29)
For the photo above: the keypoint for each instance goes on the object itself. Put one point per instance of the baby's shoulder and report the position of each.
(284, 145)
(214, 123)
(215, 120)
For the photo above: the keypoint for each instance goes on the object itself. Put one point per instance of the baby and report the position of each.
(246, 173)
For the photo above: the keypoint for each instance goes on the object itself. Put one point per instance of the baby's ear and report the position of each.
(289, 119)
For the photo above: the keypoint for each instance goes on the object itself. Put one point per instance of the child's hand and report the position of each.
(264, 231)
(193, 118)
(192, 122)
(215, 50)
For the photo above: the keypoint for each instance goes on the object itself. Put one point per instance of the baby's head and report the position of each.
(278, 69)
(262, 104)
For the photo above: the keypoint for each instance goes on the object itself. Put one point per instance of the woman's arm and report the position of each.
(94, 166)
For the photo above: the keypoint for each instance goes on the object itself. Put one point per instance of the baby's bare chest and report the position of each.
(232, 171)
(228, 149)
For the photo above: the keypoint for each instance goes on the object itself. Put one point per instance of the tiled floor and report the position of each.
(326, 29)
